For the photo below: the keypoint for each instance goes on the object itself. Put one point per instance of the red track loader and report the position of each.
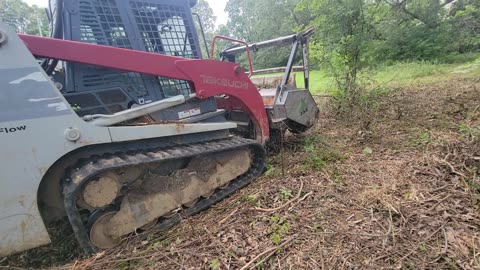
(118, 123)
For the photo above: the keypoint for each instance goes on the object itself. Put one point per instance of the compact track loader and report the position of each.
(117, 122)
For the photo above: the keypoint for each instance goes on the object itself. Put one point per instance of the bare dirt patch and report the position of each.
(402, 193)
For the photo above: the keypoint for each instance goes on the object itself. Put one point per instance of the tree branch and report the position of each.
(402, 6)
(447, 2)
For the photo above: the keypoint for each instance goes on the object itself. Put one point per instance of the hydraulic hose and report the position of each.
(56, 33)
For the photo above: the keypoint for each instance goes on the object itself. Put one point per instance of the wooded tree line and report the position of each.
(352, 35)
(381, 30)
(371, 30)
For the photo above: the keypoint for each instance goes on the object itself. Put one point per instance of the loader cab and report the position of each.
(158, 26)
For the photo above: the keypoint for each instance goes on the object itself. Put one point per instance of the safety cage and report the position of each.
(158, 26)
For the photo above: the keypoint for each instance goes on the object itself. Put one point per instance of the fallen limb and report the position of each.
(302, 199)
(228, 217)
(269, 251)
(268, 210)
(424, 241)
(452, 169)
(210, 234)
(74, 265)
(439, 202)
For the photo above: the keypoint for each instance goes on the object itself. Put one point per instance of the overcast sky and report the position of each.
(218, 7)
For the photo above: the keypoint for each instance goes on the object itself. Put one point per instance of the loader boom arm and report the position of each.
(209, 78)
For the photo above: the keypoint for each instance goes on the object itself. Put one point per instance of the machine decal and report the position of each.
(13, 129)
(303, 108)
(28, 94)
(189, 113)
(224, 82)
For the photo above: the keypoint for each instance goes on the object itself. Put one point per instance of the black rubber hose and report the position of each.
(50, 19)
(57, 33)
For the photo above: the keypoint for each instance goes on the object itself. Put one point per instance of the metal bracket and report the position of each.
(3, 38)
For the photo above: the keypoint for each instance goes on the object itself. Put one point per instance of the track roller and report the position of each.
(99, 236)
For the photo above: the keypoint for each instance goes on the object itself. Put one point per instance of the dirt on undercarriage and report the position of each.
(397, 189)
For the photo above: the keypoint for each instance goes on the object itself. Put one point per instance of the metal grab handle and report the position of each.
(212, 50)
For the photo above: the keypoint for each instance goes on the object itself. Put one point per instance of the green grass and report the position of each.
(460, 58)
(416, 73)
(405, 72)
(395, 75)
(320, 80)
(401, 73)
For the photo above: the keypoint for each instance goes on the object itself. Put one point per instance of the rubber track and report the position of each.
(96, 165)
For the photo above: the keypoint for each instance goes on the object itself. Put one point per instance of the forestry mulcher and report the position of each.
(118, 123)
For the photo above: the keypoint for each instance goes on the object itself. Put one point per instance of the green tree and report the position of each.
(203, 9)
(352, 35)
(205, 12)
(429, 12)
(464, 23)
(425, 29)
(399, 36)
(38, 18)
(344, 31)
(255, 21)
(355, 34)
(24, 18)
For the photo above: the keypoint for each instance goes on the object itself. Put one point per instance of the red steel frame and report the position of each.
(208, 78)
(212, 50)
